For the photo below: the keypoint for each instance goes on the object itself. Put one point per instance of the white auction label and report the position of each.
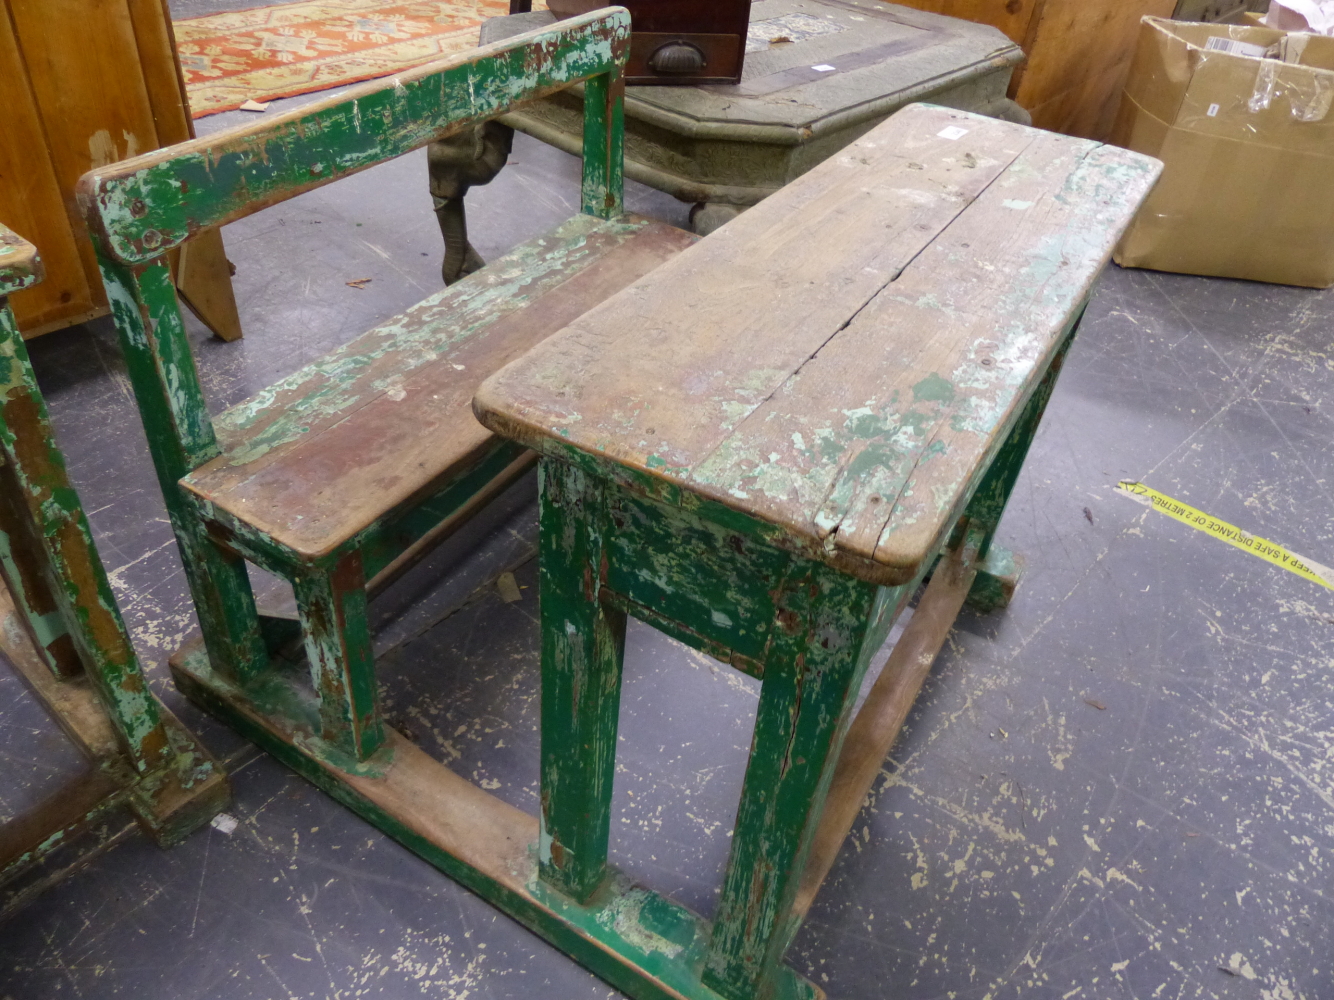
(952, 132)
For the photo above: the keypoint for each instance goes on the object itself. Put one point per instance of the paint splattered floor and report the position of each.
(1122, 787)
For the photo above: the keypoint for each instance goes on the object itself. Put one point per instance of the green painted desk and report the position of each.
(763, 448)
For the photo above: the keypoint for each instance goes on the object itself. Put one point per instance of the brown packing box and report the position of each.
(1247, 189)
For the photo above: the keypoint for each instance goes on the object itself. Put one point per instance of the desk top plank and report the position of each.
(962, 331)
(660, 379)
(1015, 315)
(851, 420)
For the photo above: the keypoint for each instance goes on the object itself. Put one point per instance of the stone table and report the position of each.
(846, 66)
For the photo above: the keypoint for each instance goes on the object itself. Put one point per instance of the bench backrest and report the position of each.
(141, 208)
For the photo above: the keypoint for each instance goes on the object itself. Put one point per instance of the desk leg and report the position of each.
(823, 641)
(583, 644)
(332, 603)
(998, 570)
(25, 571)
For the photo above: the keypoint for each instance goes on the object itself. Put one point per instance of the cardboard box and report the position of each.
(1247, 189)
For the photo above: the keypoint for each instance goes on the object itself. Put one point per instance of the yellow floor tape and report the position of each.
(1200, 521)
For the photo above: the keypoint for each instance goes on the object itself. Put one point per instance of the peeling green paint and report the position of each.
(933, 389)
(142, 208)
(809, 631)
(213, 180)
(625, 915)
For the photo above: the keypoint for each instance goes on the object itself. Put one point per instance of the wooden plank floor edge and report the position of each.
(89, 795)
(877, 725)
(57, 819)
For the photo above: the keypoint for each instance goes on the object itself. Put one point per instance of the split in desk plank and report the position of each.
(842, 360)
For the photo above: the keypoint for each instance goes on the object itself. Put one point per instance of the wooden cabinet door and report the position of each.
(31, 203)
(98, 82)
(1079, 54)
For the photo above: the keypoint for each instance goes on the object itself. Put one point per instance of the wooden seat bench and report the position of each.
(353, 443)
(341, 474)
(765, 446)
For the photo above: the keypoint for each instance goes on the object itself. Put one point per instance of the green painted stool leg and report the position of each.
(583, 642)
(23, 562)
(998, 573)
(77, 580)
(997, 578)
(23, 566)
(180, 438)
(812, 675)
(332, 604)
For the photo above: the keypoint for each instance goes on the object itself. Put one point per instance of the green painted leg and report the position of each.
(645, 945)
(604, 138)
(583, 642)
(49, 526)
(998, 577)
(23, 561)
(811, 678)
(58, 583)
(180, 439)
(332, 604)
(172, 802)
(23, 567)
(224, 602)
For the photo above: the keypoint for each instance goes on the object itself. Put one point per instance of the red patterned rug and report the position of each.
(296, 48)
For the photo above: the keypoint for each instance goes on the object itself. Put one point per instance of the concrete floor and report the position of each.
(1122, 786)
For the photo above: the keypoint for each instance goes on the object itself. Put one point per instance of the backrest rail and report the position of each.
(142, 207)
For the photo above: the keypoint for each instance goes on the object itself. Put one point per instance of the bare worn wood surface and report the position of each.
(72, 703)
(843, 359)
(62, 815)
(319, 456)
